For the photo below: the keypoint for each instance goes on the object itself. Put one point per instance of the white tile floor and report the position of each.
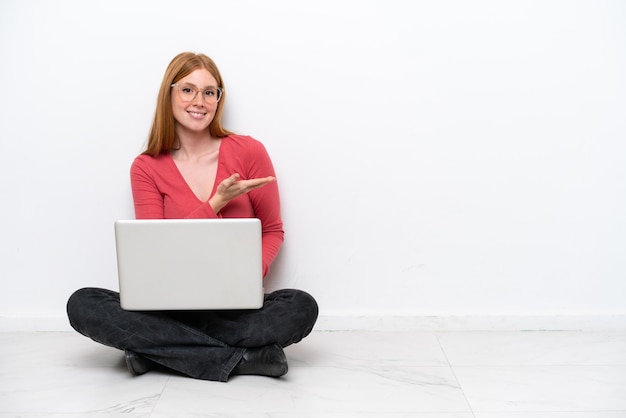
(334, 374)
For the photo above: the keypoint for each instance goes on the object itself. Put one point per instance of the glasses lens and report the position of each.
(186, 92)
(212, 95)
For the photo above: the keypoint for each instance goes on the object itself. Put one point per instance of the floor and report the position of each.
(345, 374)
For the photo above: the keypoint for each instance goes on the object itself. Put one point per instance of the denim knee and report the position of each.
(81, 306)
(74, 307)
(298, 316)
(308, 304)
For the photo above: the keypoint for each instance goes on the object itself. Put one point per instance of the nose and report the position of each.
(198, 99)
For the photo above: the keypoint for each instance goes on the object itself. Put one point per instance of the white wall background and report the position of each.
(435, 158)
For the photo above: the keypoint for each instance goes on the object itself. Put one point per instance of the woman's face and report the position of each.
(194, 113)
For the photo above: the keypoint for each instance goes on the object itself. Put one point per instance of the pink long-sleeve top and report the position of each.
(161, 192)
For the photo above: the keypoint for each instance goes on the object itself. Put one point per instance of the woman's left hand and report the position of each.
(232, 187)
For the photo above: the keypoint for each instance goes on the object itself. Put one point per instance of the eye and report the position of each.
(186, 90)
(210, 92)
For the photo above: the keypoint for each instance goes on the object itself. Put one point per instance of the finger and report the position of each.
(233, 179)
(264, 180)
(260, 181)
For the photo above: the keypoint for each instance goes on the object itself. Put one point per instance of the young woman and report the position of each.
(194, 168)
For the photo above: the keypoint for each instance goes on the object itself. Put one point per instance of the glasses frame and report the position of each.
(196, 91)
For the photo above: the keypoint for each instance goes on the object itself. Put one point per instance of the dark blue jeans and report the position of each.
(201, 344)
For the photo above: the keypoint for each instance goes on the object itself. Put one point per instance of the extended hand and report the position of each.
(232, 187)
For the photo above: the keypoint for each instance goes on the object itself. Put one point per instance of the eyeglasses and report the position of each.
(188, 92)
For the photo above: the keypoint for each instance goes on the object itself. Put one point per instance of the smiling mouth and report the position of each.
(197, 115)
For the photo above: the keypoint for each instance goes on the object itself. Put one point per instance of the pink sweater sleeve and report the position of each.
(266, 205)
(147, 198)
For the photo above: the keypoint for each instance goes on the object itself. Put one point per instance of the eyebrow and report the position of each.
(203, 88)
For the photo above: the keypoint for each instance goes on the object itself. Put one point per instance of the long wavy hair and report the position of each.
(162, 136)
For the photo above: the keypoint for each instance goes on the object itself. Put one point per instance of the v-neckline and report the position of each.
(184, 181)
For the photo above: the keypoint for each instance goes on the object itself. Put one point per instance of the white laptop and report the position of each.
(189, 264)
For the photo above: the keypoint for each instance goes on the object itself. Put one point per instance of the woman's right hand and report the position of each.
(232, 187)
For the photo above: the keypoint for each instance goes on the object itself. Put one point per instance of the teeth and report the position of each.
(197, 115)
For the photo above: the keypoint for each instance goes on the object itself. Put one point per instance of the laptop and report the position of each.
(189, 264)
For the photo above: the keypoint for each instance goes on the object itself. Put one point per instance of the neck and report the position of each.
(194, 145)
